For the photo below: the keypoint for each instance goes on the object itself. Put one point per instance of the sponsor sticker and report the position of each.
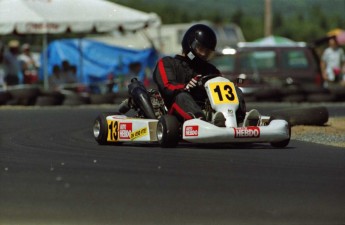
(139, 133)
(191, 131)
(247, 132)
(125, 130)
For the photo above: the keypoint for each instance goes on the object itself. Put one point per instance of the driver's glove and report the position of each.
(192, 83)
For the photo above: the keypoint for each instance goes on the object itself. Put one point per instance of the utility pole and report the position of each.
(268, 18)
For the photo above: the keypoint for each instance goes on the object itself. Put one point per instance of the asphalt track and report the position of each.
(53, 172)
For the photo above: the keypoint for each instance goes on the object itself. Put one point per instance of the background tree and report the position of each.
(299, 20)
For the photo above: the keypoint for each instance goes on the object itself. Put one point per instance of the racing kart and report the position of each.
(150, 121)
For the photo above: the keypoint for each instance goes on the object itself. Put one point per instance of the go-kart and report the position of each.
(150, 121)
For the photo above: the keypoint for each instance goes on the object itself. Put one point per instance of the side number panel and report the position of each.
(113, 130)
(223, 93)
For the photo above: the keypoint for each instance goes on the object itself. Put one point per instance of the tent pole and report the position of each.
(45, 61)
(80, 71)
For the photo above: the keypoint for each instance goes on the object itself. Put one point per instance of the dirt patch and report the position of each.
(332, 133)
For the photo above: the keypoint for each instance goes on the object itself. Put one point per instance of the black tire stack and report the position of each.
(298, 94)
(317, 116)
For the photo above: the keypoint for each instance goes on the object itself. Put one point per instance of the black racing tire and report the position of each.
(294, 98)
(291, 90)
(45, 101)
(168, 131)
(118, 100)
(313, 89)
(56, 95)
(317, 116)
(100, 129)
(75, 100)
(338, 92)
(25, 91)
(24, 96)
(284, 143)
(268, 95)
(250, 98)
(102, 98)
(321, 97)
(4, 97)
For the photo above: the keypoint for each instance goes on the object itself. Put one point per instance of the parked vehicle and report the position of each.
(167, 37)
(272, 71)
(170, 36)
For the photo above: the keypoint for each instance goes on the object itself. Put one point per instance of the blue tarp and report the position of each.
(95, 61)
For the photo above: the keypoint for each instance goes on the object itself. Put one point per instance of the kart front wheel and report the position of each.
(284, 143)
(100, 129)
(168, 131)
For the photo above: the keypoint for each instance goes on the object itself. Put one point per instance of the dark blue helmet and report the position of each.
(199, 35)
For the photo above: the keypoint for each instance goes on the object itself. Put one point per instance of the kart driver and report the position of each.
(177, 77)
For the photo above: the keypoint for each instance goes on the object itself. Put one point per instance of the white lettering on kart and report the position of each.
(247, 132)
(125, 130)
(192, 130)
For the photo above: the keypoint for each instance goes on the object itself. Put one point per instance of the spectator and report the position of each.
(2, 66)
(72, 74)
(134, 69)
(332, 62)
(12, 65)
(134, 72)
(56, 80)
(69, 72)
(28, 65)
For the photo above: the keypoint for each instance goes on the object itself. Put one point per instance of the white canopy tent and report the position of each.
(76, 16)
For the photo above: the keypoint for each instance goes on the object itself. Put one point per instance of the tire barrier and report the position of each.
(34, 96)
(4, 97)
(298, 94)
(317, 116)
(102, 98)
(23, 96)
(338, 92)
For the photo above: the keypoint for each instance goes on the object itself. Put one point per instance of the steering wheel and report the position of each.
(205, 78)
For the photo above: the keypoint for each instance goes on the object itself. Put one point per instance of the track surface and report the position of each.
(53, 172)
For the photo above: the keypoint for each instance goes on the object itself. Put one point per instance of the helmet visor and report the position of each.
(202, 52)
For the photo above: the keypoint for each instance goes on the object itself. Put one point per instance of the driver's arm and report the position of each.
(165, 78)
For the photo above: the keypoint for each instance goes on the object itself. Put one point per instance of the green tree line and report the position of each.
(306, 20)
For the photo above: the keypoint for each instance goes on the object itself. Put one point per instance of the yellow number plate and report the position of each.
(113, 130)
(223, 93)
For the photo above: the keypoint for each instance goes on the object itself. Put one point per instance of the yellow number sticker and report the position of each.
(113, 130)
(223, 93)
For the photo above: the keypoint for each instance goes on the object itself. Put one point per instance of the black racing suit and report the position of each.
(171, 76)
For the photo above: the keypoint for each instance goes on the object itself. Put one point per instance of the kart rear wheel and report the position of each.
(284, 143)
(168, 131)
(100, 129)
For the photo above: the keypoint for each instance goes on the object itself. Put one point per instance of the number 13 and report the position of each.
(224, 92)
(228, 94)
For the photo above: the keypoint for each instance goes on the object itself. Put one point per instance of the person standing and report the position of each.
(332, 62)
(12, 64)
(69, 72)
(28, 65)
(56, 80)
(2, 66)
